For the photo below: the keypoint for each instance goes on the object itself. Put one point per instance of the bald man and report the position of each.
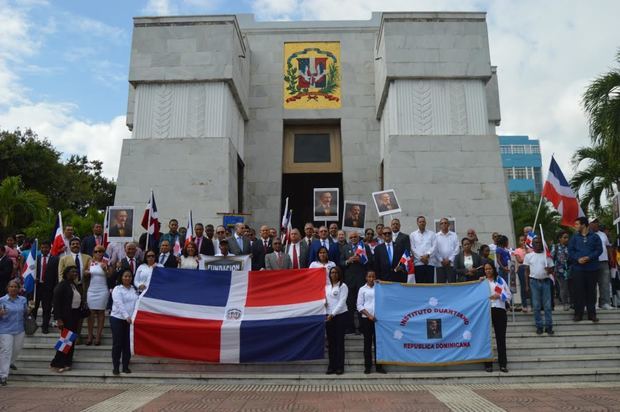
(261, 246)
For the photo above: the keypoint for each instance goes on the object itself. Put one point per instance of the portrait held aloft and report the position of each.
(121, 224)
(386, 202)
(354, 215)
(326, 204)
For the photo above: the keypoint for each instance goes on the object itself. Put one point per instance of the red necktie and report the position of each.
(131, 266)
(295, 259)
(266, 245)
(43, 267)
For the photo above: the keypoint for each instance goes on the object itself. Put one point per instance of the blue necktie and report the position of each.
(240, 243)
(389, 249)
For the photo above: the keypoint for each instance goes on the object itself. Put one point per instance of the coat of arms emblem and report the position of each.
(312, 75)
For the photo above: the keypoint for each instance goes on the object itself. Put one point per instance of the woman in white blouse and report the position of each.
(500, 294)
(124, 297)
(190, 259)
(322, 261)
(145, 270)
(336, 293)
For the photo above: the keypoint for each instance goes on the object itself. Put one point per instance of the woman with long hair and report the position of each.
(500, 294)
(336, 293)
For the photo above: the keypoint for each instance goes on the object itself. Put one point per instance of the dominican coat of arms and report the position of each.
(312, 75)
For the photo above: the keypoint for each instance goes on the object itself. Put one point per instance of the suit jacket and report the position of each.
(383, 268)
(355, 272)
(69, 260)
(303, 254)
(63, 297)
(459, 264)
(206, 246)
(51, 272)
(6, 272)
(333, 251)
(124, 265)
(271, 261)
(171, 261)
(258, 253)
(403, 241)
(320, 211)
(89, 243)
(233, 246)
(114, 231)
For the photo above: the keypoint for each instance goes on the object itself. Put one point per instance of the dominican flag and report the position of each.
(29, 272)
(558, 192)
(150, 221)
(106, 228)
(189, 236)
(407, 261)
(529, 239)
(499, 289)
(231, 316)
(66, 341)
(361, 252)
(286, 224)
(58, 238)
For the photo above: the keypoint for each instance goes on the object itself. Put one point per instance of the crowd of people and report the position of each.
(88, 278)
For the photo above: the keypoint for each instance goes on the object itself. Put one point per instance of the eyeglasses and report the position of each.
(387, 233)
(221, 231)
(99, 251)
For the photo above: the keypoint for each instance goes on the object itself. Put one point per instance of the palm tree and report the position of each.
(16, 202)
(601, 102)
(599, 176)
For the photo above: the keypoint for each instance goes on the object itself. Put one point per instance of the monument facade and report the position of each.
(230, 114)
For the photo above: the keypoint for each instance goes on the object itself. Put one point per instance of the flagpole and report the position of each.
(34, 296)
(541, 195)
(148, 224)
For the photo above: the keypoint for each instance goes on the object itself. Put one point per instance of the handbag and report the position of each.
(84, 311)
(30, 325)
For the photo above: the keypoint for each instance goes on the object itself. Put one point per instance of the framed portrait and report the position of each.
(354, 216)
(451, 224)
(325, 204)
(433, 329)
(386, 202)
(121, 224)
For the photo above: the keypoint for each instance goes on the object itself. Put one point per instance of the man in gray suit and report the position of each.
(297, 250)
(277, 259)
(238, 243)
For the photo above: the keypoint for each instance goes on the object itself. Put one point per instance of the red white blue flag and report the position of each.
(499, 289)
(58, 238)
(150, 222)
(66, 341)
(361, 252)
(29, 271)
(558, 191)
(231, 316)
(189, 236)
(407, 261)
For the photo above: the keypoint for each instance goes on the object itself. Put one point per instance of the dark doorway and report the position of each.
(299, 188)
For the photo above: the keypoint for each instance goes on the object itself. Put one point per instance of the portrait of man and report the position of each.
(121, 224)
(433, 329)
(386, 202)
(326, 204)
(354, 215)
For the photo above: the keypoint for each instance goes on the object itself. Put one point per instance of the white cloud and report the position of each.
(97, 28)
(159, 8)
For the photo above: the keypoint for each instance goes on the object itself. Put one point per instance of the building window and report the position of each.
(312, 148)
(520, 173)
(535, 149)
(518, 149)
(508, 173)
(505, 149)
(537, 179)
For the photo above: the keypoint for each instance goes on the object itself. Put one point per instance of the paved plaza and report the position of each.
(24, 396)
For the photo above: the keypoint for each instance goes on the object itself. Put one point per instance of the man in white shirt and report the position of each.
(423, 248)
(446, 249)
(538, 267)
(604, 273)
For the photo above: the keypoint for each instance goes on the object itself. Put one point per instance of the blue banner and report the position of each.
(433, 324)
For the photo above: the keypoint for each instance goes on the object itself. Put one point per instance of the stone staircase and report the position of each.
(578, 352)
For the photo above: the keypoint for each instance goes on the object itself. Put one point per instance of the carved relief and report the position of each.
(458, 109)
(164, 112)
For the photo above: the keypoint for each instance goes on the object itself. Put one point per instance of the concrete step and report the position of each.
(603, 374)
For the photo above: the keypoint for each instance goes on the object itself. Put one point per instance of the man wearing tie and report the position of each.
(387, 259)
(309, 234)
(203, 245)
(325, 241)
(297, 250)
(165, 258)
(238, 243)
(130, 262)
(47, 279)
(277, 259)
(260, 248)
(90, 241)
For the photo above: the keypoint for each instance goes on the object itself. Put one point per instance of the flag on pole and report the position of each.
(189, 236)
(58, 238)
(66, 341)
(360, 251)
(286, 220)
(499, 289)
(29, 271)
(529, 239)
(106, 228)
(558, 191)
(548, 260)
(407, 263)
(150, 221)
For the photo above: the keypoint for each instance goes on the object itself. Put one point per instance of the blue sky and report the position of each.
(64, 64)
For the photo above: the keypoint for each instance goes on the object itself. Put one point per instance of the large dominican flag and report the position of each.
(231, 317)
(558, 191)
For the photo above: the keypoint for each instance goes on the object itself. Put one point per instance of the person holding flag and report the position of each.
(500, 294)
(356, 257)
(67, 303)
(29, 270)
(538, 269)
(13, 311)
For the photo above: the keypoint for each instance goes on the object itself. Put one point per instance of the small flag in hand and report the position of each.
(499, 289)
(361, 252)
(66, 341)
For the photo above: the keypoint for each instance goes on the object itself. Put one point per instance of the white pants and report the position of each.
(10, 346)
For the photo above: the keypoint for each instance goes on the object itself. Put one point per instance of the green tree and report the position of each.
(601, 102)
(18, 205)
(597, 178)
(524, 206)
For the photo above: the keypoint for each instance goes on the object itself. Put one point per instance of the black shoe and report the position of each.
(366, 371)
(358, 332)
(13, 367)
(330, 372)
(349, 331)
(45, 330)
(339, 372)
(3, 382)
(126, 370)
(504, 369)
(116, 372)
(594, 319)
(550, 331)
(489, 369)
(539, 331)
(577, 318)
(380, 369)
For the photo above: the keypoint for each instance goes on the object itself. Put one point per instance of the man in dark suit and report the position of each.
(399, 238)
(90, 241)
(6, 270)
(297, 250)
(260, 248)
(326, 241)
(47, 279)
(130, 262)
(387, 260)
(203, 245)
(238, 243)
(165, 258)
(354, 278)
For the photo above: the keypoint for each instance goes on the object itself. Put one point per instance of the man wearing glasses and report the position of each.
(387, 259)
